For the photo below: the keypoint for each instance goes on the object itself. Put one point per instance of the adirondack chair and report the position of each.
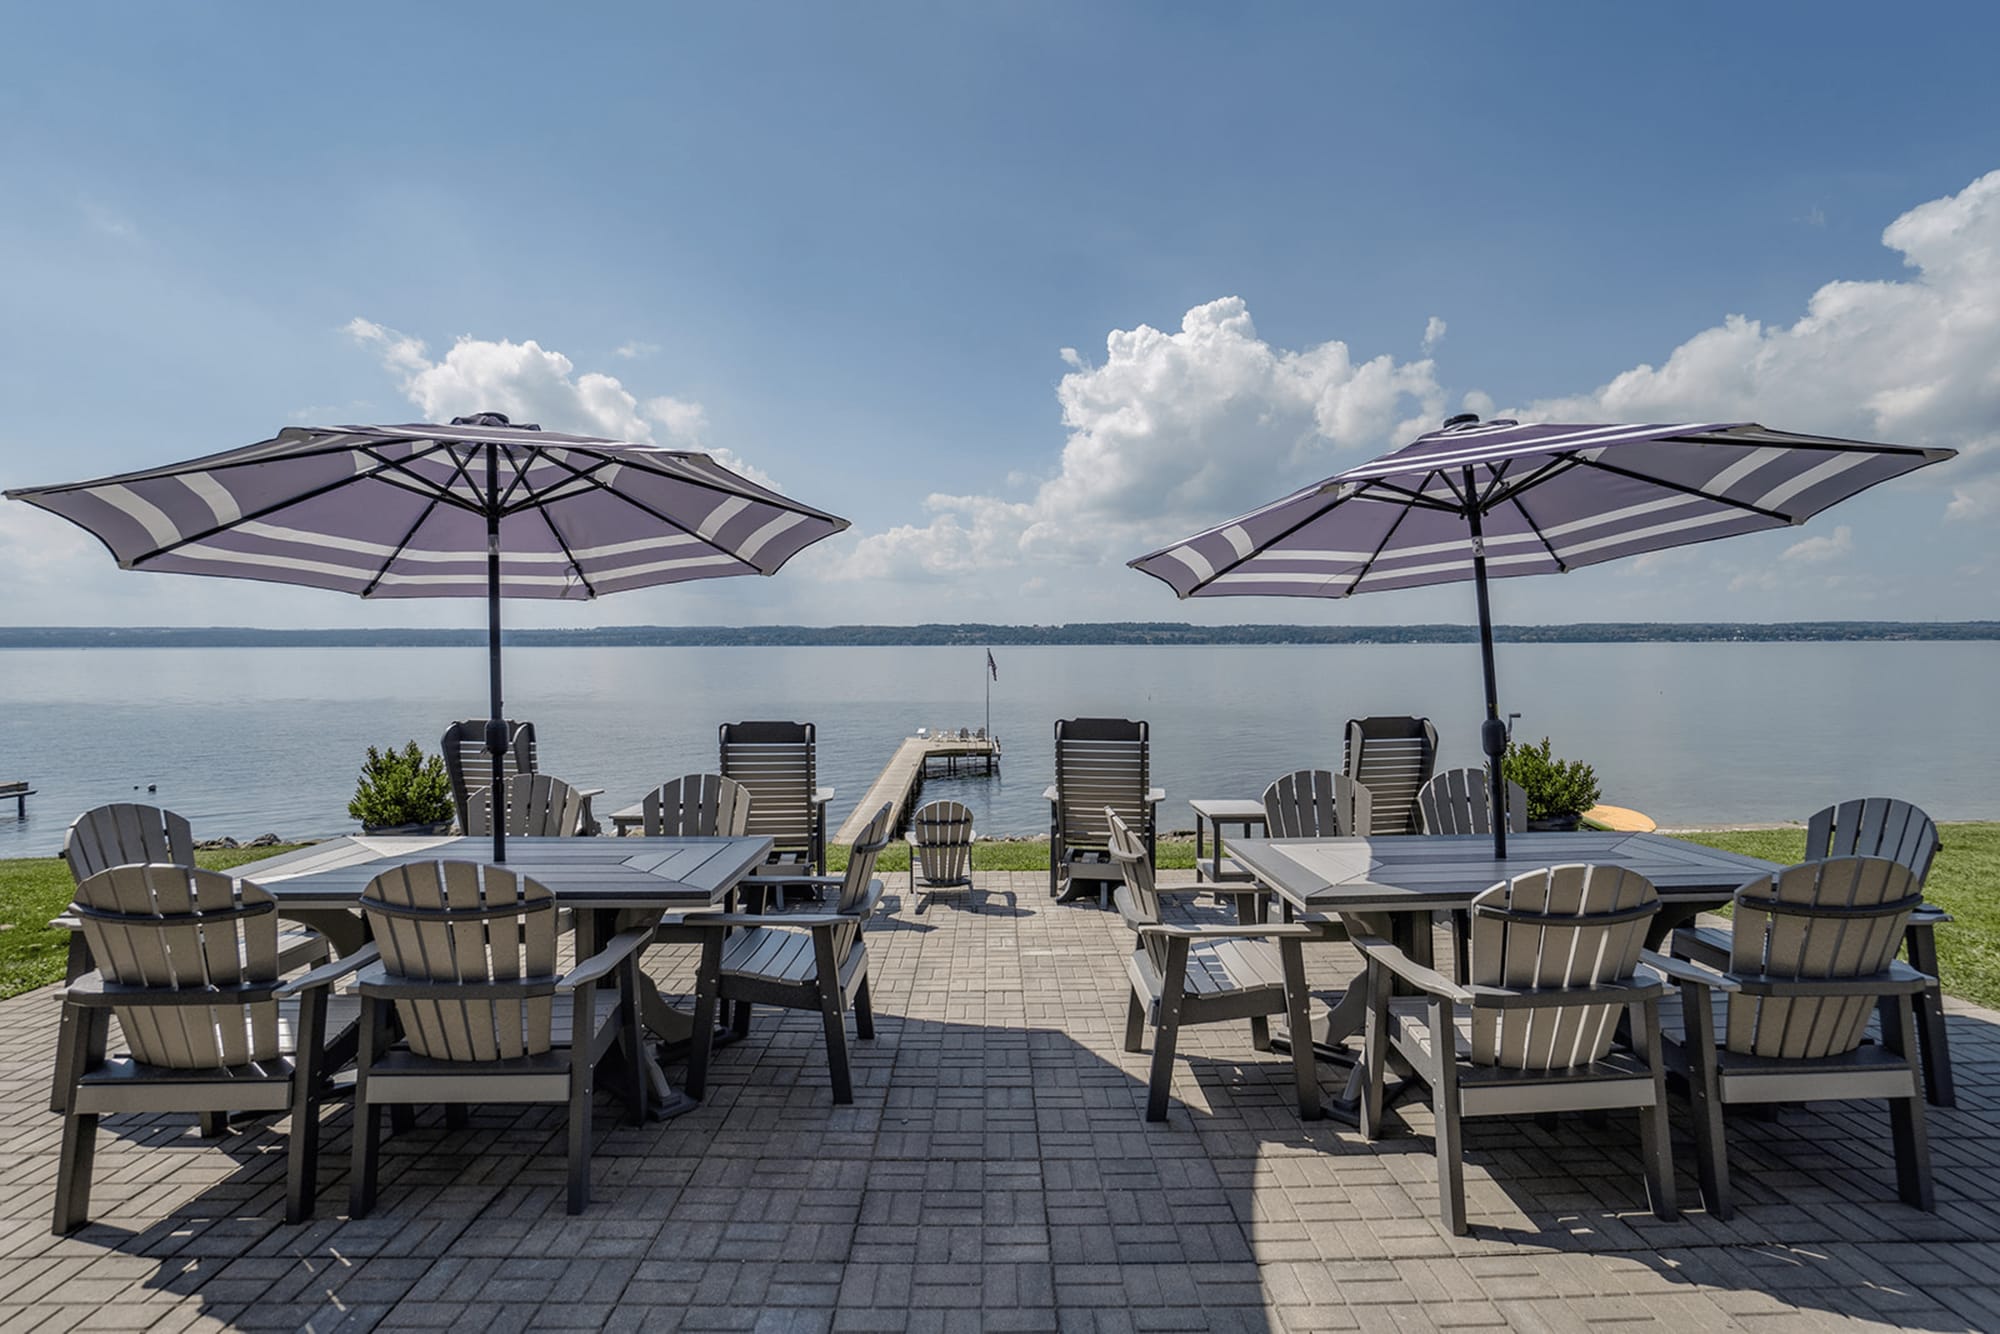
(124, 834)
(940, 849)
(1101, 763)
(468, 965)
(797, 961)
(1555, 962)
(538, 806)
(1183, 975)
(1812, 950)
(778, 763)
(1879, 827)
(189, 966)
(1393, 758)
(1315, 803)
(469, 765)
(697, 806)
(1460, 801)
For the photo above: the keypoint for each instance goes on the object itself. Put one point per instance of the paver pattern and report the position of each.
(995, 1173)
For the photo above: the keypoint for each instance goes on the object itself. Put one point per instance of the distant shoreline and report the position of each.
(1081, 634)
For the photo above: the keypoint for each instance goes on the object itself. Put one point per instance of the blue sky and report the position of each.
(847, 246)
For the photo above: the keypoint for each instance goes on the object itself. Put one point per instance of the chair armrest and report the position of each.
(1689, 942)
(376, 982)
(92, 991)
(328, 973)
(1681, 970)
(617, 950)
(1897, 979)
(1541, 998)
(1926, 914)
(1427, 980)
(1227, 931)
(785, 881)
(805, 920)
(822, 795)
(1049, 794)
(1155, 795)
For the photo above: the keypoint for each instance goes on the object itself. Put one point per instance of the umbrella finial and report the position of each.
(1455, 420)
(493, 419)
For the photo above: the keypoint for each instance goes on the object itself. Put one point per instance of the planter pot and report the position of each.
(1555, 824)
(408, 830)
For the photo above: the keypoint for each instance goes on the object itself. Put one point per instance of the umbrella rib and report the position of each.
(1375, 555)
(1514, 498)
(1555, 467)
(589, 589)
(1264, 548)
(586, 477)
(1414, 498)
(1684, 489)
(382, 573)
(383, 465)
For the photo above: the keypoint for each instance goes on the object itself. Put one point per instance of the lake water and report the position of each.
(244, 741)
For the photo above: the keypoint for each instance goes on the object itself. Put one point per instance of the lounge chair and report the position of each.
(778, 763)
(189, 965)
(940, 849)
(1555, 963)
(469, 765)
(1393, 758)
(1100, 763)
(1811, 952)
(1184, 975)
(538, 806)
(468, 964)
(1460, 801)
(797, 961)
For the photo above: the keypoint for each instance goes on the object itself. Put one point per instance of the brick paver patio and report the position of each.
(994, 1173)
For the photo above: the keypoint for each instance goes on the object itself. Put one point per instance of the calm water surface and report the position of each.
(244, 741)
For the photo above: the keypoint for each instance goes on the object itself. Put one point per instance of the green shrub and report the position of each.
(400, 787)
(1555, 788)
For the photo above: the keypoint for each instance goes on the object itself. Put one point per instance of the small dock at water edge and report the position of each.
(904, 774)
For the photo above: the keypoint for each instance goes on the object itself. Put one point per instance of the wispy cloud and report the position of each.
(635, 351)
(1819, 550)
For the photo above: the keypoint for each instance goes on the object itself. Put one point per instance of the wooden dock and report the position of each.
(904, 774)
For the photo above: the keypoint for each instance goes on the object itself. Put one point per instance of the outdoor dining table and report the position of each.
(597, 878)
(1407, 877)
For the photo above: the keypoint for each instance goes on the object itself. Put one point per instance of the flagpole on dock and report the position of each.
(992, 675)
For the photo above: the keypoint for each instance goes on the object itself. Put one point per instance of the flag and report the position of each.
(991, 665)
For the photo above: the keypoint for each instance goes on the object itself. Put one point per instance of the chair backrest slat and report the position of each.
(1316, 803)
(466, 923)
(179, 928)
(941, 841)
(1100, 763)
(538, 806)
(469, 766)
(777, 762)
(1874, 827)
(861, 857)
(1567, 926)
(1838, 917)
(696, 806)
(1393, 758)
(1460, 801)
(122, 834)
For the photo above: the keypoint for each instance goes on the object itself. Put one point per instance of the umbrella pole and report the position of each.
(496, 724)
(1492, 732)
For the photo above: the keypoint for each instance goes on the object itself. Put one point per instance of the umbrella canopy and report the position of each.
(477, 508)
(1479, 500)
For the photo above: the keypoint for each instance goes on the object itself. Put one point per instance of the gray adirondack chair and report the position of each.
(1101, 763)
(797, 961)
(940, 849)
(778, 762)
(1184, 975)
(1393, 758)
(124, 834)
(1812, 951)
(696, 806)
(538, 806)
(1315, 803)
(469, 765)
(188, 963)
(1460, 801)
(1555, 963)
(468, 965)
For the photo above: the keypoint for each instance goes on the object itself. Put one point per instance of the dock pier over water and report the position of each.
(904, 775)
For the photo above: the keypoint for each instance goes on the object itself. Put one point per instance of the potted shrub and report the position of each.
(402, 792)
(1559, 791)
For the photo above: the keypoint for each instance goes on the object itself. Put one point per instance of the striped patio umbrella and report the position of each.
(478, 508)
(1488, 500)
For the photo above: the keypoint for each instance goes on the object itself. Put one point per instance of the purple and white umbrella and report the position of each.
(478, 508)
(1492, 500)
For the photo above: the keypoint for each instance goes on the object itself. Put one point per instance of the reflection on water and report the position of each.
(248, 740)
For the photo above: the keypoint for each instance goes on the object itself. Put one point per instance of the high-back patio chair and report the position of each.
(1460, 801)
(538, 806)
(469, 765)
(1393, 758)
(1205, 974)
(778, 762)
(797, 961)
(697, 806)
(1316, 803)
(188, 963)
(468, 964)
(1101, 763)
(1555, 964)
(1812, 954)
(940, 849)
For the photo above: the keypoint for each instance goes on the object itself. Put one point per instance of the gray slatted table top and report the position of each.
(583, 872)
(1412, 872)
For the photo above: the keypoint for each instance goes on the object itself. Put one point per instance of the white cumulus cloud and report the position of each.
(1817, 550)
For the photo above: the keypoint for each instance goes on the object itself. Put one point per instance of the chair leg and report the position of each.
(1260, 1032)
(1167, 1034)
(367, 1115)
(579, 1125)
(457, 1116)
(1705, 1099)
(1135, 1023)
(1291, 957)
(1374, 1050)
(830, 1012)
(302, 1146)
(707, 994)
(864, 1012)
(1445, 1107)
(1655, 1139)
(1906, 1119)
(214, 1125)
(1932, 1037)
(79, 1151)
